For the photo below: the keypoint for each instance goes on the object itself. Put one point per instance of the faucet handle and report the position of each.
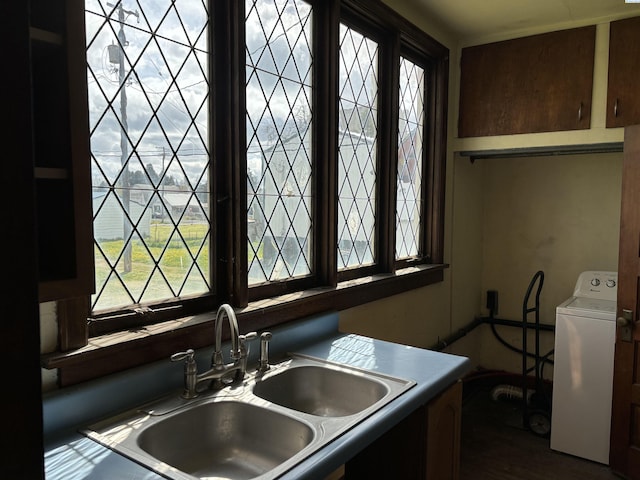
(190, 372)
(248, 336)
(187, 355)
(242, 345)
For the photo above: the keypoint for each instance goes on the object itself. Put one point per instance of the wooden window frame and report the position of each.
(87, 350)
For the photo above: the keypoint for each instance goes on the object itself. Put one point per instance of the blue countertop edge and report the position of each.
(71, 456)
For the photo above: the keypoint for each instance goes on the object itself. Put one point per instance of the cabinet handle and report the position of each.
(615, 108)
(580, 112)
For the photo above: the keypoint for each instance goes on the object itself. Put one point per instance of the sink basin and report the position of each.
(257, 429)
(225, 440)
(211, 438)
(322, 391)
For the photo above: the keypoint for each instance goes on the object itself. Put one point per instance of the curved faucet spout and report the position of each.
(220, 374)
(225, 310)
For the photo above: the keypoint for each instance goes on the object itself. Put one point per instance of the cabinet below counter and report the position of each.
(433, 401)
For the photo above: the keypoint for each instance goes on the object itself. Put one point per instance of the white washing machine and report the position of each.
(583, 368)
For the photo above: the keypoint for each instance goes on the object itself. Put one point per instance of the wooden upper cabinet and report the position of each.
(540, 83)
(61, 160)
(623, 99)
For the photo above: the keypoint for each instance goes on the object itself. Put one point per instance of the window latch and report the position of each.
(143, 310)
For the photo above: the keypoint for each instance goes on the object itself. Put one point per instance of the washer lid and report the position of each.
(589, 307)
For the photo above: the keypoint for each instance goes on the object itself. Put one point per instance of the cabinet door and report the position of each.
(540, 83)
(423, 446)
(61, 149)
(399, 453)
(623, 101)
(444, 421)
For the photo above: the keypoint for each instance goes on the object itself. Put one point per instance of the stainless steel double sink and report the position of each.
(257, 429)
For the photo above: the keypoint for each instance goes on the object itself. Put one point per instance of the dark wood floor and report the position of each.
(495, 446)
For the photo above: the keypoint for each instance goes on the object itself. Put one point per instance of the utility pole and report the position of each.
(124, 146)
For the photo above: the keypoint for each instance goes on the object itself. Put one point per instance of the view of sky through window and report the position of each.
(149, 96)
(357, 148)
(410, 140)
(148, 109)
(279, 121)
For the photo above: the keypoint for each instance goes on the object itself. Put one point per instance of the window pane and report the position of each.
(279, 168)
(357, 152)
(148, 104)
(410, 138)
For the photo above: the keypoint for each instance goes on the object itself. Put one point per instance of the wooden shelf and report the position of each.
(45, 36)
(47, 173)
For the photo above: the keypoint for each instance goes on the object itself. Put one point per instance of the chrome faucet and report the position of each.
(219, 372)
(225, 310)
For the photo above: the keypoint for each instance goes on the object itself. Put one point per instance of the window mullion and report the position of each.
(437, 140)
(220, 163)
(229, 162)
(388, 158)
(238, 156)
(428, 154)
(326, 39)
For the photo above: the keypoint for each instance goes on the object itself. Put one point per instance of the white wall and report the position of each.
(558, 214)
(510, 218)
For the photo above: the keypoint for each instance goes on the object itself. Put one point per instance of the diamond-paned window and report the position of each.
(148, 110)
(278, 122)
(357, 148)
(410, 147)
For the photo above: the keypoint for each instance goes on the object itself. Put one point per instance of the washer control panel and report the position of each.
(595, 284)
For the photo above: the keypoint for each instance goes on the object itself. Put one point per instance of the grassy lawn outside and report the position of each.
(165, 247)
(173, 256)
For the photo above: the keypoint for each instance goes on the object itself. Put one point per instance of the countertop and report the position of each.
(71, 456)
